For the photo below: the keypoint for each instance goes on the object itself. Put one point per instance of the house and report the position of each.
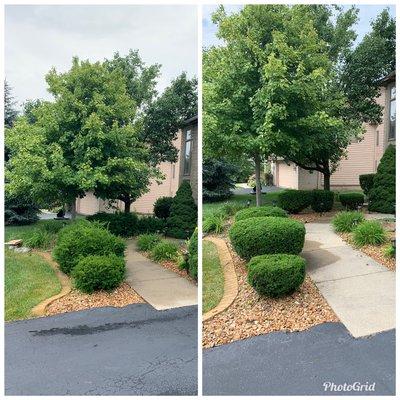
(175, 173)
(363, 156)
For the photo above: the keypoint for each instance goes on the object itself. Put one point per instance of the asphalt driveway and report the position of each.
(300, 363)
(134, 350)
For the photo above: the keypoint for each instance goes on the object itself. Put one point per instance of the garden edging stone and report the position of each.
(230, 279)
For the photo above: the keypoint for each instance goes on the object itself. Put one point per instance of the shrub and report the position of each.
(164, 250)
(214, 223)
(265, 211)
(382, 197)
(20, 210)
(52, 226)
(94, 273)
(217, 179)
(183, 219)
(39, 239)
(294, 201)
(267, 235)
(193, 255)
(322, 200)
(276, 275)
(162, 207)
(119, 223)
(351, 200)
(147, 241)
(346, 221)
(82, 239)
(366, 183)
(389, 251)
(150, 225)
(369, 232)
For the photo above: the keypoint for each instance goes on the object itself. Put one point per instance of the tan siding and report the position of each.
(287, 175)
(88, 205)
(307, 180)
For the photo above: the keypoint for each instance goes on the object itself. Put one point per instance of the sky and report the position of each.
(40, 37)
(366, 14)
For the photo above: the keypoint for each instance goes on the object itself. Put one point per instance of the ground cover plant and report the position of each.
(213, 278)
(164, 250)
(346, 221)
(146, 242)
(276, 275)
(267, 235)
(28, 280)
(82, 239)
(351, 200)
(214, 222)
(193, 255)
(93, 273)
(265, 211)
(369, 232)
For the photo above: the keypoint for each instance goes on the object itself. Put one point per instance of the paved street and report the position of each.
(300, 363)
(134, 350)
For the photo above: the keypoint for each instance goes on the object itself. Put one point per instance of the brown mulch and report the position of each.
(375, 252)
(311, 216)
(251, 315)
(75, 300)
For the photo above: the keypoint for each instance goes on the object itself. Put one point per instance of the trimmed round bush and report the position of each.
(119, 223)
(351, 200)
(147, 241)
(346, 221)
(294, 201)
(94, 273)
(369, 232)
(322, 200)
(193, 255)
(162, 207)
(265, 211)
(267, 235)
(82, 239)
(366, 183)
(276, 275)
(164, 251)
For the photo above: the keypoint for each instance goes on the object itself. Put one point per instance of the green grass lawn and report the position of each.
(213, 278)
(28, 280)
(19, 232)
(267, 199)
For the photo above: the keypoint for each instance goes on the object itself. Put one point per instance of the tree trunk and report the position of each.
(73, 209)
(327, 180)
(127, 205)
(257, 162)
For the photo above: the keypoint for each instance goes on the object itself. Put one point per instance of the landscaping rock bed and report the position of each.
(76, 301)
(251, 315)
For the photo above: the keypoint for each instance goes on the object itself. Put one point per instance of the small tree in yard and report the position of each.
(382, 197)
(183, 218)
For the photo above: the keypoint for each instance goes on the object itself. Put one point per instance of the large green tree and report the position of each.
(84, 140)
(10, 112)
(271, 88)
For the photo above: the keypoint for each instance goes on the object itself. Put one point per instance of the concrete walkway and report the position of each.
(360, 291)
(161, 288)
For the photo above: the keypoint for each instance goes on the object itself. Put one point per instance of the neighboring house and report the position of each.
(189, 154)
(175, 173)
(362, 156)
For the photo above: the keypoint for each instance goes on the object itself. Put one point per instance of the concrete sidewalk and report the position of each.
(161, 288)
(360, 291)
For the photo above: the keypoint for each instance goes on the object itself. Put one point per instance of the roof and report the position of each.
(391, 77)
(190, 121)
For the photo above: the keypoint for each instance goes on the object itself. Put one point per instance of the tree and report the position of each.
(29, 109)
(10, 113)
(372, 59)
(166, 115)
(84, 140)
(240, 84)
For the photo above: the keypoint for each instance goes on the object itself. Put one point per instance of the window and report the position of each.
(377, 137)
(188, 152)
(392, 113)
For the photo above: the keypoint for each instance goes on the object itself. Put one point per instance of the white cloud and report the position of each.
(40, 37)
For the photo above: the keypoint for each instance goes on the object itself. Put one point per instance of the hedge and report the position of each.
(322, 200)
(94, 273)
(351, 200)
(276, 275)
(82, 239)
(382, 197)
(265, 211)
(294, 201)
(267, 235)
(366, 183)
